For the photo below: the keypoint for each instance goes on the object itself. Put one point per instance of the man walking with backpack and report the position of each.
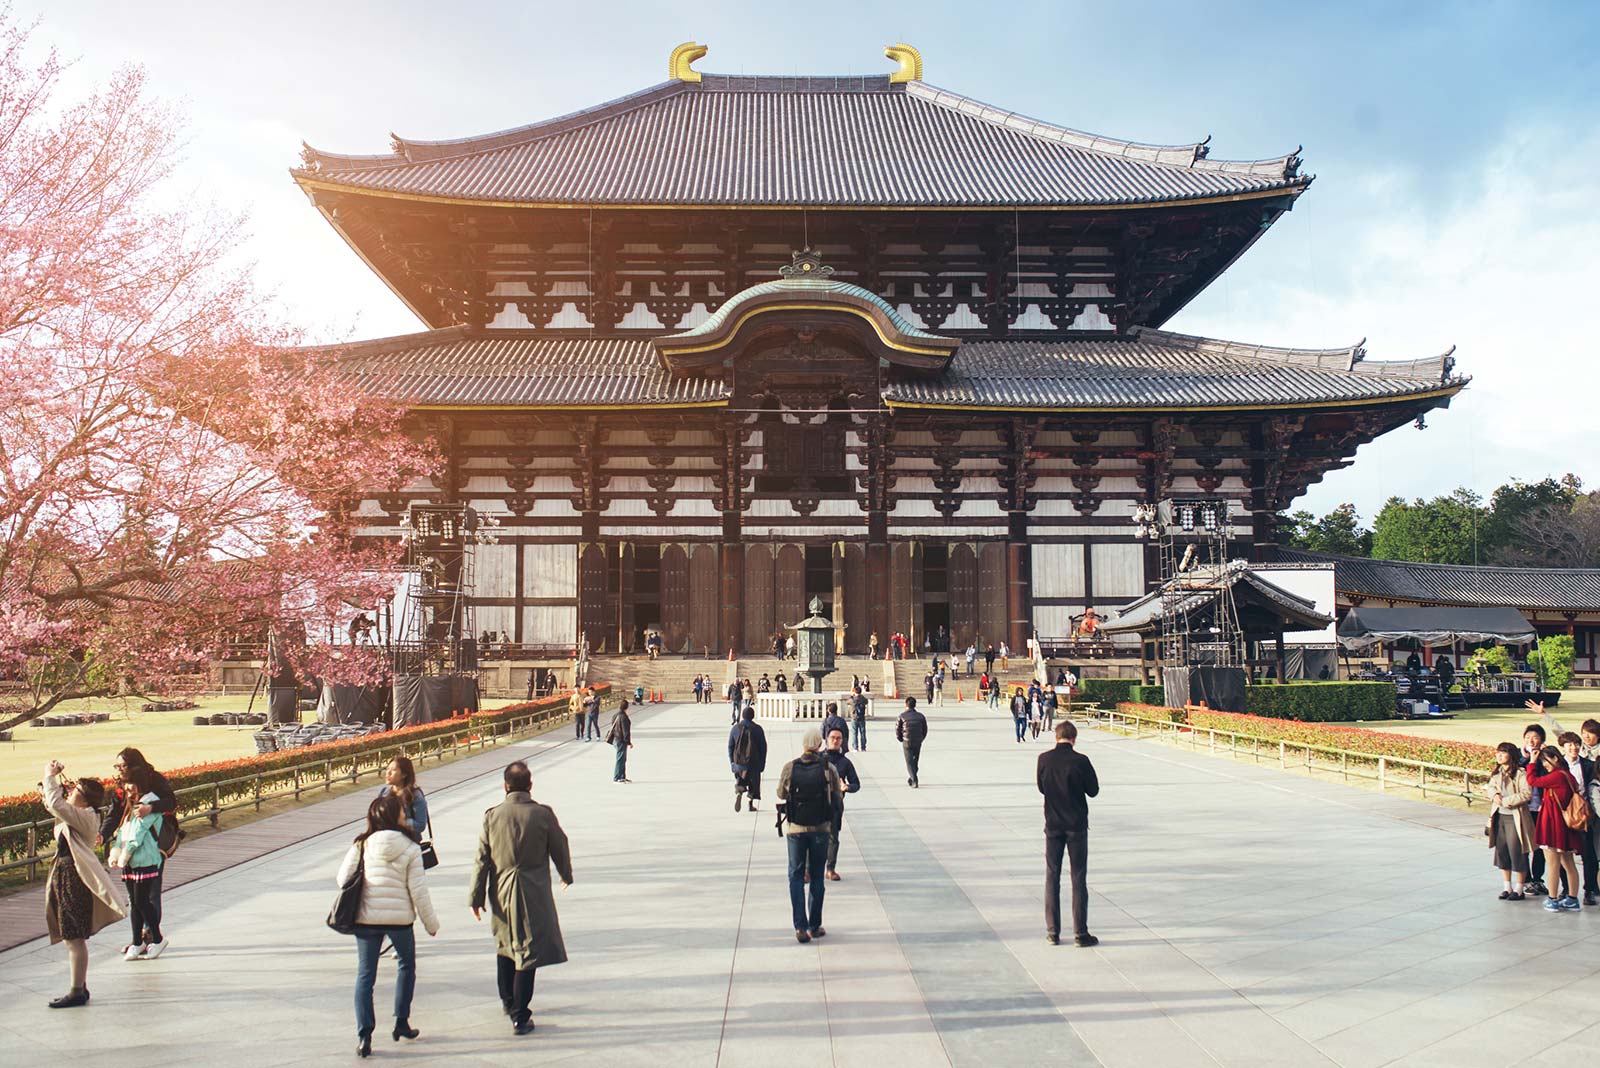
(747, 753)
(910, 730)
(808, 793)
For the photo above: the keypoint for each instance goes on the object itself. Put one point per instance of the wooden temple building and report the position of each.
(732, 342)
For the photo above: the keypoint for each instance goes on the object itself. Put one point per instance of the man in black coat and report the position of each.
(910, 730)
(834, 755)
(1067, 780)
(747, 754)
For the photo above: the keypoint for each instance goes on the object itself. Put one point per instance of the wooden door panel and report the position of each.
(674, 597)
(790, 599)
(992, 592)
(627, 623)
(853, 590)
(917, 618)
(705, 599)
(592, 597)
(900, 603)
(757, 598)
(963, 596)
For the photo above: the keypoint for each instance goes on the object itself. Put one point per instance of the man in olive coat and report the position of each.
(511, 877)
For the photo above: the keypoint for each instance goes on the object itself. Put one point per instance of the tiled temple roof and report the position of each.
(1571, 589)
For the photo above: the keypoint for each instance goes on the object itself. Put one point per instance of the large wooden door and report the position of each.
(900, 602)
(853, 591)
(674, 597)
(705, 600)
(592, 618)
(627, 623)
(790, 600)
(992, 592)
(963, 572)
(757, 598)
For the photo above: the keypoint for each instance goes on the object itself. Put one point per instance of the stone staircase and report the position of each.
(909, 675)
(752, 667)
(673, 676)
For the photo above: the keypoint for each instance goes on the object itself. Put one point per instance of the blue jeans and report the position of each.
(1022, 726)
(368, 939)
(808, 851)
(620, 771)
(594, 726)
(860, 740)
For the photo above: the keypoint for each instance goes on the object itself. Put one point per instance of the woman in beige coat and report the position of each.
(82, 897)
(1510, 828)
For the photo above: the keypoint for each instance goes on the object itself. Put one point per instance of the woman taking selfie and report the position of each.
(393, 898)
(141, 793)
(1549, 773)
(82, 897)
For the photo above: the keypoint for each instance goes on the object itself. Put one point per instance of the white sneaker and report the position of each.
(133, 952)
(155, 949)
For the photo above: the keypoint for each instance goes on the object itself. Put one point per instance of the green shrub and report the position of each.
(1155, 696)
(1322, 702)
(1489, 656)
(1553, 660)
(1107, 691)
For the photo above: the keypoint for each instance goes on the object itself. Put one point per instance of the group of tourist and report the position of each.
(1544, 815)
(1034, 710)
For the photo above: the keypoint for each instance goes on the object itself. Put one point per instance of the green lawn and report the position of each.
(1491, 726)
(167, 739)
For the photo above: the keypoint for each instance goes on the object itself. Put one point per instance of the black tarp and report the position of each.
(283, 704)
(426, 698)
(1363, 627)
(347, 703)
(1218, 688)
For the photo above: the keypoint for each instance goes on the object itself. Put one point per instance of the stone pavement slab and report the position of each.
(1247, 917)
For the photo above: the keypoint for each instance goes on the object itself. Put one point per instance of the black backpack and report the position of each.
(744, 750)
(809, 803)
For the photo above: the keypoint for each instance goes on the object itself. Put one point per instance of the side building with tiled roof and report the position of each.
(729, 343)
(1556, 600)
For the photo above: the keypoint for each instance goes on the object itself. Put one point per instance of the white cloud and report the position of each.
(1508, 272)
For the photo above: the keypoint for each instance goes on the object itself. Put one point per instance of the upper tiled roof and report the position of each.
(1573, 589)
(505, 368)
(754, 141)
(1196, 589)
(456, 366)
(799, 289)
(1157, 368)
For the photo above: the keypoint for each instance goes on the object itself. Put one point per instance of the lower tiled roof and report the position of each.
(1572, 589)
(1152, 369)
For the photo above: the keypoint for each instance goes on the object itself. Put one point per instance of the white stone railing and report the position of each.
(794, 706)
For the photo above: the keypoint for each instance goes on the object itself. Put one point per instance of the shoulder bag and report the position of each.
(347, 906)
(430, 859)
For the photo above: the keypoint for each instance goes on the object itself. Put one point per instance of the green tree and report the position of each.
(1553, 660)
(1499, 538)
(1340, 531)
(1443, 530)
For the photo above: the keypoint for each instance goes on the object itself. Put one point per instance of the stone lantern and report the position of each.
(814, 645)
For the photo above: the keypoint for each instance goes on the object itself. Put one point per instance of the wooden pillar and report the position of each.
(1019, 595)
(731, 562)
(1282, 670)
(878, 590)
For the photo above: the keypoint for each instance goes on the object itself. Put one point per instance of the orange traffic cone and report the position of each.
(959, 698)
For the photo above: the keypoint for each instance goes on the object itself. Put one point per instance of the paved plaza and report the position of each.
(1248, 916)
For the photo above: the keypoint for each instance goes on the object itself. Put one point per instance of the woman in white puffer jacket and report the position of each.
(393, 897)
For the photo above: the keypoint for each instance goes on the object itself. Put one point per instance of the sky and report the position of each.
(1456, 148)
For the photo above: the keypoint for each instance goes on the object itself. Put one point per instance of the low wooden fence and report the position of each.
(210, 800)
(1388, 772)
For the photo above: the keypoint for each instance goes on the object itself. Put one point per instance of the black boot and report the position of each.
(403, 1029)
(364, 1044)
(78, 995)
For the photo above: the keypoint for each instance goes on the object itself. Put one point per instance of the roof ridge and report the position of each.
(1451, 567)
(1349, 358)
(1194, 155)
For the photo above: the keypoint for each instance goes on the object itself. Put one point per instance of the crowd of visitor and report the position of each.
(1544, 815)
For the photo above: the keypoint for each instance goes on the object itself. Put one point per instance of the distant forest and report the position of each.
(1549, 523)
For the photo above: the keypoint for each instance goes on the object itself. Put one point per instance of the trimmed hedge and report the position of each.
(1356, 739)
(359, 753)
(1148, 695)
(1107, 691)
(1322, 702)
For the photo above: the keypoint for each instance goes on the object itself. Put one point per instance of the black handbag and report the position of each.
(347, 906)
(430, 859)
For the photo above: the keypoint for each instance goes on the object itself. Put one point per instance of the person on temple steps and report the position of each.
(747, 754)
(910, 730)
(520, 840)
(1067, 780)
(834, 754)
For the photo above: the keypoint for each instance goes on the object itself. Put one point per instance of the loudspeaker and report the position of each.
(1221, 688)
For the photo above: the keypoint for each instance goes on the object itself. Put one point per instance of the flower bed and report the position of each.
(350, 754)
(1354, 739)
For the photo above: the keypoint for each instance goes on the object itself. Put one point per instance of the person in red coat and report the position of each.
(1549, 773)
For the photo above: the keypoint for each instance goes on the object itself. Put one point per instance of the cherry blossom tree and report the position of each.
(174, 469)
